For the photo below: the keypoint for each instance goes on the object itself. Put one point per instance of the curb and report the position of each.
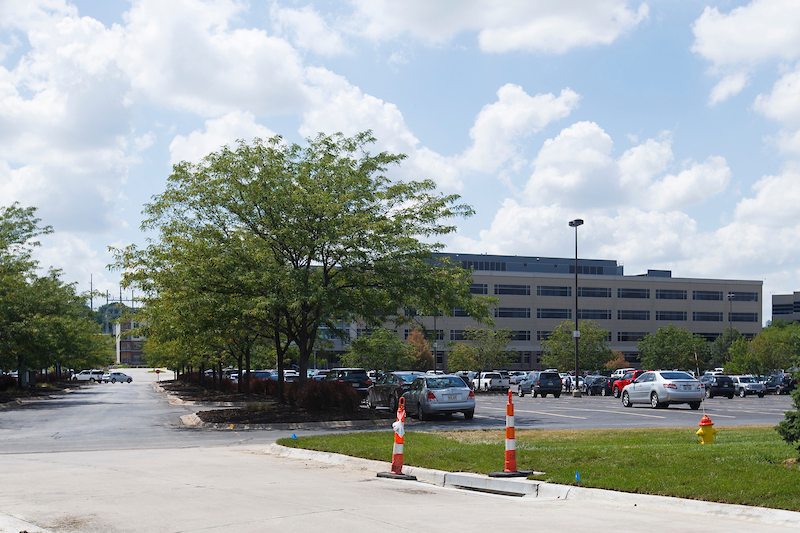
(552, 491)
(12, 523)
(193, 420)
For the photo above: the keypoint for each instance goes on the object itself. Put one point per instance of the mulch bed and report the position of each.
(39, 391)
(262, 409)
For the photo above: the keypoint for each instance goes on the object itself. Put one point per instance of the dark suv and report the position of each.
(717, 385)
(781, 383)
(544, 383)
(357, 377)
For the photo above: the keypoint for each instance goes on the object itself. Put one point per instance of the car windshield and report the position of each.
(675, 375)
(445, 382)
(406, 377)
(746, 379)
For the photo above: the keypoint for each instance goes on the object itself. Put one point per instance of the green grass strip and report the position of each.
(745, 465)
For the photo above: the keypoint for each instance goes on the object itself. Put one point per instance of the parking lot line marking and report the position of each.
(549, 414)
(620, 411)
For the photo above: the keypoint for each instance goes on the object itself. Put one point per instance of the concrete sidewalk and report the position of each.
(250, 488)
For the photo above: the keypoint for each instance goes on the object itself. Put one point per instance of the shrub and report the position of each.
(789, 429)
(327, 396)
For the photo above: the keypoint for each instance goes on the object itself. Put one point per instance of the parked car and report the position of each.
(780, 383)
(319, 374)
(115, 376)
(662, 388)
(487, 381)
(91, 376)
(744, 385)
(598, 386)
(356, 377)
(618, 373)
(439, 394)
(386, 392)
(717, 385)
(515, 376)
(540, 383)
(290, 375)
(621, 383)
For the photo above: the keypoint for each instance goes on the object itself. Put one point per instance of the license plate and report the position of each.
(354, 385)
(452, 396)
(687, 387)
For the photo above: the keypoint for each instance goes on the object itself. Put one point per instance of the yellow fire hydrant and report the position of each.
(706, 431)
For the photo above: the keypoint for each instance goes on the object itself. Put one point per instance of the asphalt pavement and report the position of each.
(115, 458)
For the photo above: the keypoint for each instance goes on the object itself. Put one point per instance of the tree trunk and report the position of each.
(247, 362)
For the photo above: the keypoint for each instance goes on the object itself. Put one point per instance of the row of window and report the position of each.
(525, 336)
(622, 314)
(605, 292)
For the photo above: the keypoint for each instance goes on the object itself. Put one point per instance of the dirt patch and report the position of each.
(277, 414)
(791, 463)
(41, 390)
(262, 409)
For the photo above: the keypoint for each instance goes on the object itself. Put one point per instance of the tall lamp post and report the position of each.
(576, 334)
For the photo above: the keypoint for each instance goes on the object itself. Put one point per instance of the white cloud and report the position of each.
(308, 30)
(757, 32)
(501, 125)
(640, 164)
(546, 25)
(783, 103)
(728, 86)
(691, 186)
(219, 132)
(212, 69)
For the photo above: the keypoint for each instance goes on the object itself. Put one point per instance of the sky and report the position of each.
(672, 127)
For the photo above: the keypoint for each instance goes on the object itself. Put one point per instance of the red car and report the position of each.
(616, 389)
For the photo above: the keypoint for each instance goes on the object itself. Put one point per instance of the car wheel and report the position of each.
(113, 380)
(129, 380)
(534, 393)
(603, 392)
(469, 414)
(626, 400)
(742, 393)
(544, 394)
(420, 413)
(616, 392)
(520, 392)
(709, 394)
(393, 404)
(588, 392)
(370, 402)
(91, 380)
(485, 387)
(694, 405)
(760, 394)
(556, 395)
(654, 403)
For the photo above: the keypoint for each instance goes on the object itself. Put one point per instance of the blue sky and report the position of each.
(671, 127)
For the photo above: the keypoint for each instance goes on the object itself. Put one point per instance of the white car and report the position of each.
(662, 388)
(114, 376)
(89, 375)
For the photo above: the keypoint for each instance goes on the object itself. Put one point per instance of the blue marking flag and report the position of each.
(577, 477)
(294, 436)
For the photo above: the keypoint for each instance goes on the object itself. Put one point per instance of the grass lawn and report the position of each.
(745, 465)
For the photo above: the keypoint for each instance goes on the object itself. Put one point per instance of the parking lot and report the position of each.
(588, 412)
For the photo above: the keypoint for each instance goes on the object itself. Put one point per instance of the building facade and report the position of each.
(786, 307)
(536, 295)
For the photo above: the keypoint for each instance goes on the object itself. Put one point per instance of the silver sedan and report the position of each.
(439, 394)
(662, 388)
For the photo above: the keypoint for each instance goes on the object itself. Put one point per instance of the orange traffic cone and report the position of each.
(397, 449)
(511, 446)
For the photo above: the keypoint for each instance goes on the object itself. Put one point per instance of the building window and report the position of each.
(543, 335)
(546, 290)
(670, 294)
(632, 315)
(710, 337)
(594, 292)
(409, 312)
(594, 314)
(456, 334)
(585, 269)
(459, 311)
(512, 312)
(485, 265)
(479, 288)
(744, 296)
(707, 295)
(631, 336)
(782, 309)
(706, 316)
(633, 293)
(363, 331)
(554, 313)
(406, 333)
(520, 335)
(526, 358)
(743, 317)
(515, 290)
(671, 316)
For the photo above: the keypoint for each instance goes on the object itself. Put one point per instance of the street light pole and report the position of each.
(576, 333)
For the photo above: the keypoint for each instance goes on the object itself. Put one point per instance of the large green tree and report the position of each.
(380, 350)
(313, 235)
(672, 347)
(482, 349)
(593, 350)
